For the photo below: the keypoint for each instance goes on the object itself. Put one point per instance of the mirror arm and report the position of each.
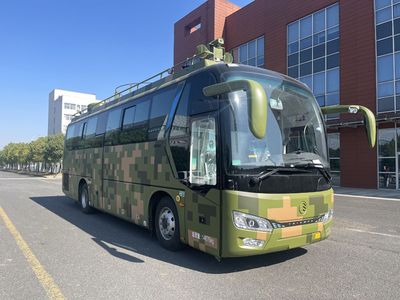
(256, 97)
(369, 118)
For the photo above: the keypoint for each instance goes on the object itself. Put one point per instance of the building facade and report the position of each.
(63, 105)
(346, 51)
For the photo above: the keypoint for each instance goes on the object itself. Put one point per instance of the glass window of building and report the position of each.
(251, 53)
(313, 53)
(388, 158)
(69, 106)
(387, 20)
(334, 156)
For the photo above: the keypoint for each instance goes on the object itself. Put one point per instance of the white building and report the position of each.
(63, 105)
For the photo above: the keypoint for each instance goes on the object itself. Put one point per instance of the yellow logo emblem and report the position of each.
(303, 207)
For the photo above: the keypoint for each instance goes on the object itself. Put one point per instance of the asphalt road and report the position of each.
(99, 256)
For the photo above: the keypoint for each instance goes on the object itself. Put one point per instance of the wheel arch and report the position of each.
(80, 185)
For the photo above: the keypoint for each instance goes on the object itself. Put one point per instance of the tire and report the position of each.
(167, 225)
(84, 199)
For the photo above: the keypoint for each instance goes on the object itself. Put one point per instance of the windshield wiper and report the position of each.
(256, 180)
(318, 167)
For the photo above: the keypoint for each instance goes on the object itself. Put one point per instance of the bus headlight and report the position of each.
(250, 222)
(327, 216)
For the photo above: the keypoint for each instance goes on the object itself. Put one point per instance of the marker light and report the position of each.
(250, 222)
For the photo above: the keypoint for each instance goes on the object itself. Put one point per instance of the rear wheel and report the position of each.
(84, 199)
(167, 225)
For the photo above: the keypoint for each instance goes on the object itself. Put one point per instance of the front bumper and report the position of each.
(279, 239)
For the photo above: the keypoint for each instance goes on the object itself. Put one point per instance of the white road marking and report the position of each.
(31, 178)
(369, 197)
(22, 178)
(374, 233)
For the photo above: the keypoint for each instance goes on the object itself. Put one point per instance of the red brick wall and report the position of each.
(358, 86)
(212, 15)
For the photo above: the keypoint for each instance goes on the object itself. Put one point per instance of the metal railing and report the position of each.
(203, 53)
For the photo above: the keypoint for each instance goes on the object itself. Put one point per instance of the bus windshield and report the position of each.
(295, 129)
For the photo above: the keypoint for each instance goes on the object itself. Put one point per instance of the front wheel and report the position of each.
(84, 199)
(167, 225)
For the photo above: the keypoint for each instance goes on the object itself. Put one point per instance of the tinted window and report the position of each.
(333, 46)
(198, 102)
(385, 46)
(305, 55)
(91, 127)
(141, 123)
(293, 59)
(383, 30)
(179, 137)
(70, 131)
(397, 26)
(113, 127)
(333, 61)
(70, 135)
(305, 69)
(92, 140)
(114, 118)
(74, 138)
(129, 117)
(306, 43)
(293, 72)
(160, 108)
(319, 51)
(397, 43)
(101, 123)
(319, 65)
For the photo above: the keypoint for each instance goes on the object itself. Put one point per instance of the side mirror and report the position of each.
(369, 118)
(257, 102)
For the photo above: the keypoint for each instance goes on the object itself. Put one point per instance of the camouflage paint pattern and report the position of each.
(133, 173)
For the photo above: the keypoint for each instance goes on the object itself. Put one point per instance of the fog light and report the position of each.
(326, 217)
(248, 242)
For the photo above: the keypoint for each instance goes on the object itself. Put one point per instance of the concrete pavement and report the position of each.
(99, 256)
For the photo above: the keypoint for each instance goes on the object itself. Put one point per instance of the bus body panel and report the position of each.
(84, 164)
(203, 221)
(278, 208)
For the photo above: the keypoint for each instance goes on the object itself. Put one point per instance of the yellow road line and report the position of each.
(51, 288)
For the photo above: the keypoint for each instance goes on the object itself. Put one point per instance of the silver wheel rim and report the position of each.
(83, 199)
(166, 223)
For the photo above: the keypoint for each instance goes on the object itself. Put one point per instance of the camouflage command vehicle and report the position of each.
(229, 159)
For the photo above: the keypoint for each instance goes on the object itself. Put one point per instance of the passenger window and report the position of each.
(90, 138)
(129, 117)
(101, 123)
(113, 121)
(70, 136)
(160, 108)
(140, 125)
(91, 128)
(179, 137)
(203, 164)
(113, 127)
(76, 140)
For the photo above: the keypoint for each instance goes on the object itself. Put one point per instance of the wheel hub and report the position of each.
(166, 223)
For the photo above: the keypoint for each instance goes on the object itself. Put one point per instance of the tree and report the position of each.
(54, 150)
(22, 154)
(36, 151)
